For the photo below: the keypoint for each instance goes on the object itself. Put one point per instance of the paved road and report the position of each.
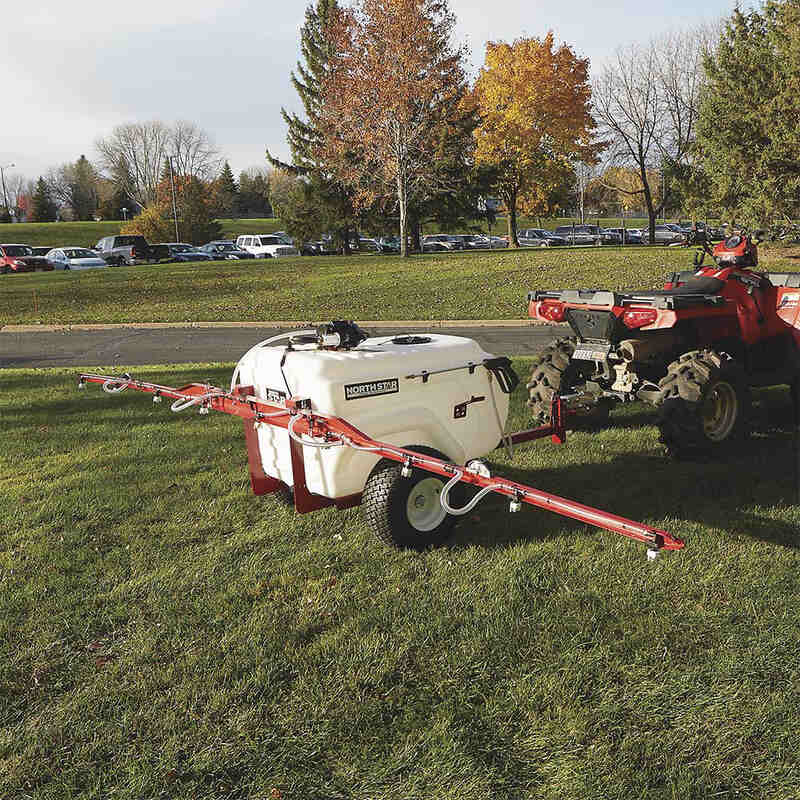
(81, 348)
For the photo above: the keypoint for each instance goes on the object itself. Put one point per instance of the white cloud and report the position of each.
(71, 71)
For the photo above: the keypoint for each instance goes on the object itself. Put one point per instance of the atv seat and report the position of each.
(790, 280)
(699, 286)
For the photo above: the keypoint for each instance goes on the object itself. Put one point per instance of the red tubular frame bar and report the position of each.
(336, 431)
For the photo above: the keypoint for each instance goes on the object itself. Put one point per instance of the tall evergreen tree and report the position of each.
(254, 194)
(44, 209)
(83, 189)
(303, 134)
(226, 193)
(747, 134)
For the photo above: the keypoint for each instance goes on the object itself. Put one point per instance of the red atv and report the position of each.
(694, 348)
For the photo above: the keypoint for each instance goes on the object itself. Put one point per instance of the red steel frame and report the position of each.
(335, 430)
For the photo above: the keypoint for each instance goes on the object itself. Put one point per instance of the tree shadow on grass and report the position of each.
(719, 493)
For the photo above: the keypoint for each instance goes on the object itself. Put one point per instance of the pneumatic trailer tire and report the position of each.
(705, 404)
(554, 371)
(405, 512)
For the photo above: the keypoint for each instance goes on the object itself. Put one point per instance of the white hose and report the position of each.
(264, 343)
(307, 442)
(112, 387)
(370, 449)
(182, 403)
(472, 503)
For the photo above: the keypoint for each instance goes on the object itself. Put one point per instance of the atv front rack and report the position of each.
(308, 428)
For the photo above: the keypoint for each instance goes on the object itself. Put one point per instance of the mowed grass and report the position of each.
(87, 234)
(163, 633)
(488, 285)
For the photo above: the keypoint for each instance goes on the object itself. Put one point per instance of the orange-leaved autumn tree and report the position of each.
(535, 104)
(194, 206)
(394, 87)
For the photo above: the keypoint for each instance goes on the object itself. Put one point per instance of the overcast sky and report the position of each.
(70, 72)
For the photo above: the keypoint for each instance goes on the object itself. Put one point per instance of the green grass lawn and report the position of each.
(87, 234)
(165, 634)
(489, 285)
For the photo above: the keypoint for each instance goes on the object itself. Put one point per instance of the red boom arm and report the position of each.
(337, 431)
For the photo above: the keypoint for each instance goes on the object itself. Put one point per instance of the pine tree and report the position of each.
(44, 209)
(254, 194)
(747, 135)
(83, 189)
(226, 193)
(303, 134)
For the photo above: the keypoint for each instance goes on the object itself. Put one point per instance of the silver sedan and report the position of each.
(75, 258)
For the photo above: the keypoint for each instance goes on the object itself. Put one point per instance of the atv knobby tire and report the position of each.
(404, 512)
(704, 405)
(554, 371)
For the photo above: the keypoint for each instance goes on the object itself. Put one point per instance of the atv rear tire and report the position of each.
(554, 371)
(705, 403)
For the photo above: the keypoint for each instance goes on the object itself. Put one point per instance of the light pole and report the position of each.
(174, 206)
(3, 181)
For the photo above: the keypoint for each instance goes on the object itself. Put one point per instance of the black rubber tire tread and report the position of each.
(547, 377)
(384, 499)
(684, 389)
(553, 371)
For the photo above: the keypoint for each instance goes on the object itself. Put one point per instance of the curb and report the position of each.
(276, 324)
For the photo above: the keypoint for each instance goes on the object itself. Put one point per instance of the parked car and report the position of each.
(389, 244)
(497, 242)
(366, 245)
(533, 237)
(554, 239)
(41, 251)
(266, 246)
(475, 241)
(225, 250)
(632, 235)
(664, 234)
(430, 242)
(75, 258)
(21, 258)
(435, 246)
(310, 249)
(181, 252)
(327, 246)
(610, 236)
(130, 249)
(585, 234)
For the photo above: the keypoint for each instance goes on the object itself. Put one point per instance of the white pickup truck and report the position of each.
(266, 246)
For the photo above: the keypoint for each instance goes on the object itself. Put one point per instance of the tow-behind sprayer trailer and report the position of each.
(430, 403)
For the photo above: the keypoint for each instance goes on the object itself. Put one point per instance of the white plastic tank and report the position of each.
(461, 413)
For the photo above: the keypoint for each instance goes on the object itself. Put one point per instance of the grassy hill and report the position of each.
(87, 234)
(477, 285)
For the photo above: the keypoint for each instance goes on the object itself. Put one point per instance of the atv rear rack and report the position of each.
(606, 299)
(308, 428)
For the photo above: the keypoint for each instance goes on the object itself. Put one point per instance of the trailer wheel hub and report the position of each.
(423, 508)
(720, 411)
